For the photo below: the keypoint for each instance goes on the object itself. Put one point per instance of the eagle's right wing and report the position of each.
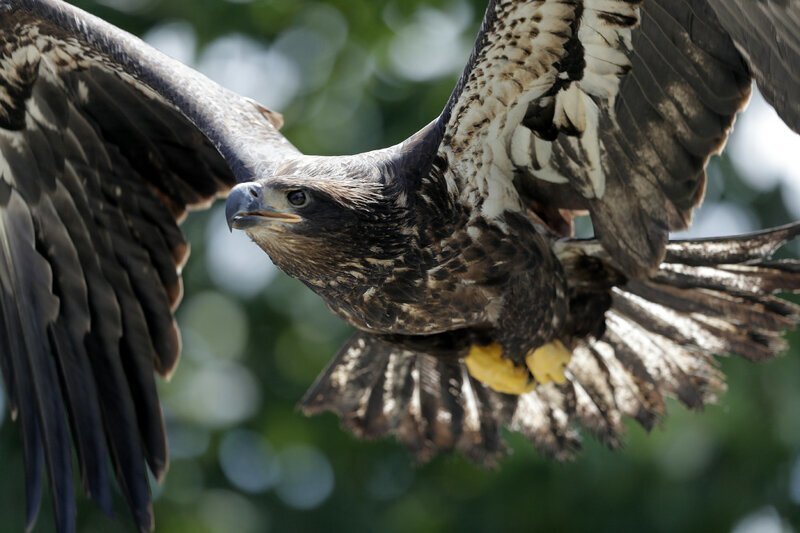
(613, 107)
(767, 34)
(104, 145)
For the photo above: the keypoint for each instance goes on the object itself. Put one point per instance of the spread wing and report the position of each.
(104, 146)
(766, 34)
(612, 107)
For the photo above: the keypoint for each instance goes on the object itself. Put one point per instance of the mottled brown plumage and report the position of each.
(458, 237)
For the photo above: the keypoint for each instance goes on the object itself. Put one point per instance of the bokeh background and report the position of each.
(353, 75)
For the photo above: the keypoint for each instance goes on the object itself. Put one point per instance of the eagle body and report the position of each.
(416, 258)
(451, 253)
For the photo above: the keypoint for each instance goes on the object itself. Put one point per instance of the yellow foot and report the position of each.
(547, 363)
(487, 365)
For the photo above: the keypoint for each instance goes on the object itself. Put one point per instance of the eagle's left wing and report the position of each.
(609, 106)
(105, 144)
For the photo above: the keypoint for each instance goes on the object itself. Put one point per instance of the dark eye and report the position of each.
(297, 198)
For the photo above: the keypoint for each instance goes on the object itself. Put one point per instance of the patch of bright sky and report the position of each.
(794, 482)
(715, 219)
(313, 44)
(126, 6)
(764, 520)
(430, 29)
(252, 69)
(177, 39)
(235, 264)
(185, 440)
(248, 461)
(216, 394)
(767, 152)
(307, 477)
(214, 323)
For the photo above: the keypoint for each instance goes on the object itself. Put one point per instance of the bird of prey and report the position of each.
(450, 253)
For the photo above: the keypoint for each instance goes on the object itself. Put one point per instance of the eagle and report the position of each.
(451, 254)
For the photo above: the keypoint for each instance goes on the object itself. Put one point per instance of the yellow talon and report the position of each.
(547, 363)
(487, 365)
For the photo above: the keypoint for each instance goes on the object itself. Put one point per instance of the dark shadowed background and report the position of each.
(353, 75)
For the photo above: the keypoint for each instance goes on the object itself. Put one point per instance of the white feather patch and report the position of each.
(518, 65)
(590, 142)
(521, 147)
(570, 111)
(605, 34)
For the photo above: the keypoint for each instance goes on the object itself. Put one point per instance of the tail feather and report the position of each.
(765, 277)
(679, 371)
(431, 405)
(711, 303)
(712, 318)
(731, 250)
(709, 297)
(602, 394)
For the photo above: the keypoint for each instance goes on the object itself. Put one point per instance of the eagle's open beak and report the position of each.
(245, 208)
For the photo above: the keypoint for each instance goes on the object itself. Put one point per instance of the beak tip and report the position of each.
(239, 199)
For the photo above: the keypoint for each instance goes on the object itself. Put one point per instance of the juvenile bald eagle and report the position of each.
(450, 253)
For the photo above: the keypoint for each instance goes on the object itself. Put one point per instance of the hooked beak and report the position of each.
(245, 208)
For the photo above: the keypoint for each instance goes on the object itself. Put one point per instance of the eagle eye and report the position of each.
(297, 198)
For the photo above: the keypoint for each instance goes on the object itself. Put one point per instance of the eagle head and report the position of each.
(328, 221)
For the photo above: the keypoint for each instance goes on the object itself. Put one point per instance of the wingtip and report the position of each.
(147, 521)
(104, 500)
(160, 467)
(33, 490)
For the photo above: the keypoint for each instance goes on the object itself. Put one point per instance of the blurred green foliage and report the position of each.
(244, 460)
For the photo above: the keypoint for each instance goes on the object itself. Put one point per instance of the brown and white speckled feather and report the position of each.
(430, 404)
(658, 340)
(540, 69)
(613, 108)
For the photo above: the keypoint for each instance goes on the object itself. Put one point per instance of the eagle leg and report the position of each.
(548, 363)
(545, 364)
(487, 364)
